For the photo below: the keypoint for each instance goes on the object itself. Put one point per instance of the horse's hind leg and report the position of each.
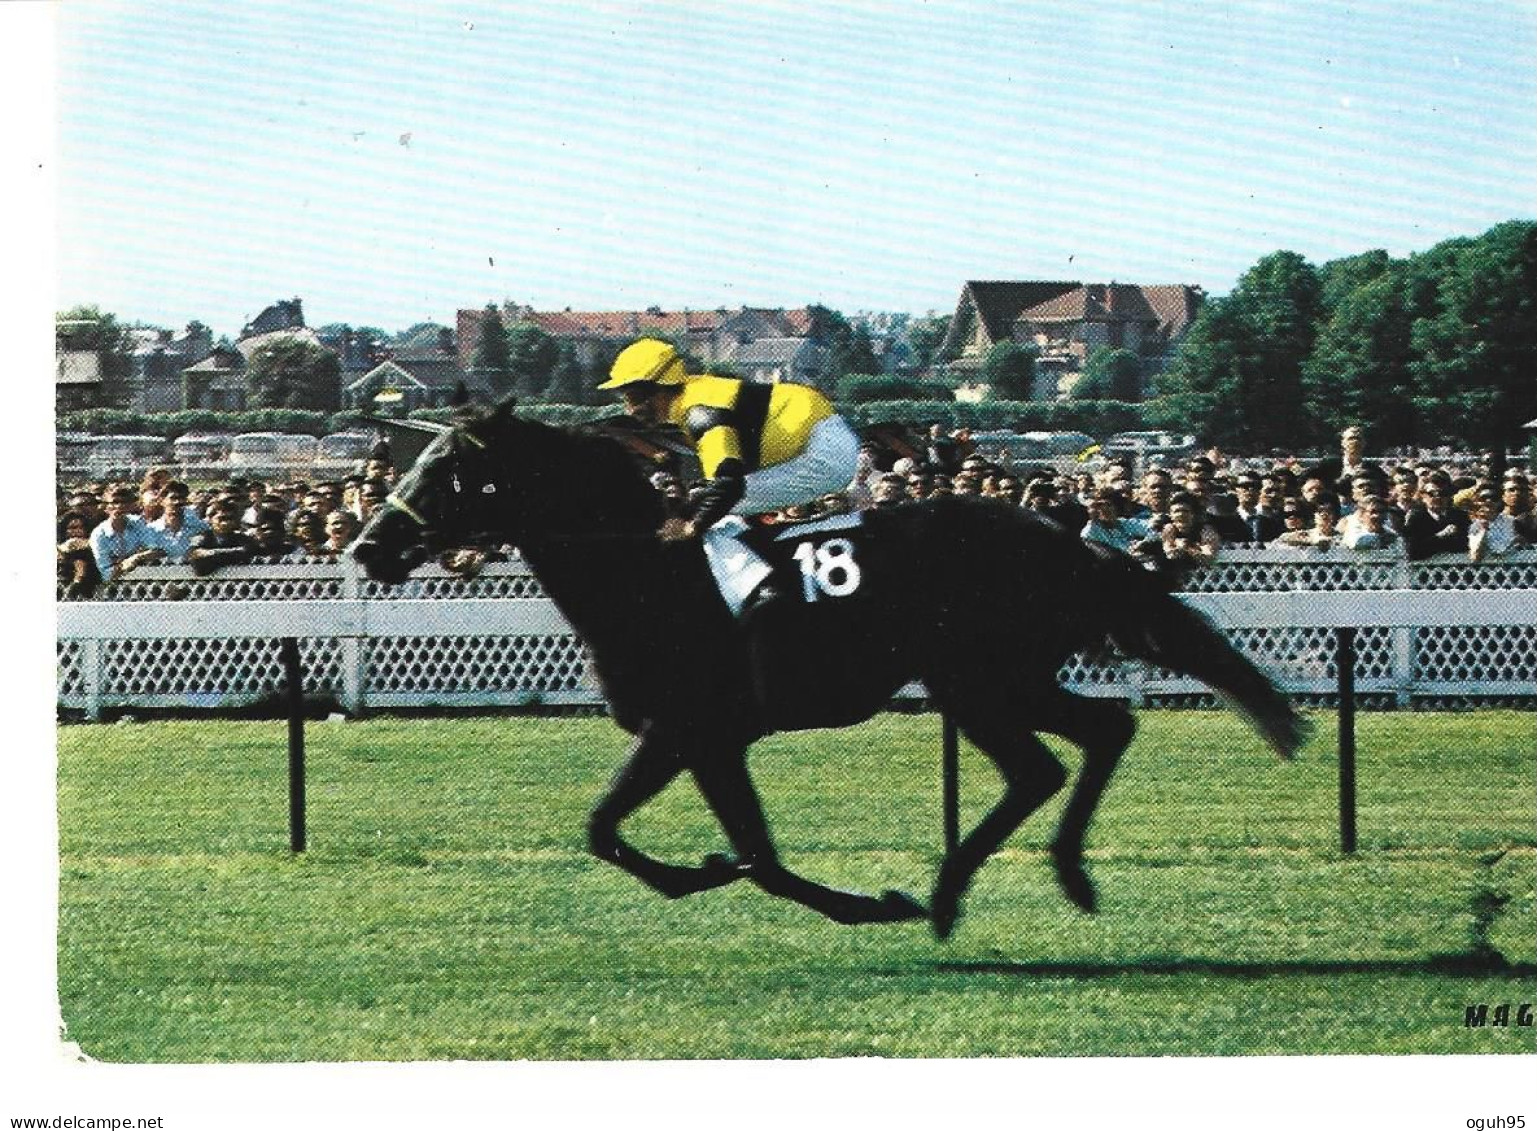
(1103, 729)
(653, 764)
(728, 788)
(991, 718)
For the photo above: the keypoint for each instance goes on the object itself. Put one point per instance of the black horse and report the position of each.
(980, 601)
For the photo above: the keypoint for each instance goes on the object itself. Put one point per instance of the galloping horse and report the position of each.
(980, 601)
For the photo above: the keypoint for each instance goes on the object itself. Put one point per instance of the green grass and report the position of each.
(446, 908)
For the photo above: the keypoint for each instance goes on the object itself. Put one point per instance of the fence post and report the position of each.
(91, 652)
(1345, 660)
(1134, 672)
(353, 648)
(1403, 643)
(294, 671)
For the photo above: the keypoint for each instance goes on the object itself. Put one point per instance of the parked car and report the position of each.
(201, 448)
(344, 451)
(126, 456)
(1058, 450)
(1145, 447)
(72, 450)
(271, 452)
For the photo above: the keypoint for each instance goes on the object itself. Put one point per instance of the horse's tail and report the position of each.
(1150, 624)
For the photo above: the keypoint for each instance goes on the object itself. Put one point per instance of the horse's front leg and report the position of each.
(728, 789)
(652, 765)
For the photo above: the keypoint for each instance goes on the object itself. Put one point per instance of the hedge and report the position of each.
(563, 415)
(169, 425)
(1097, 418)
(858, 388)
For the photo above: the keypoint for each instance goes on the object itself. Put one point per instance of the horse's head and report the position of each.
(492, 476)
(455, 494)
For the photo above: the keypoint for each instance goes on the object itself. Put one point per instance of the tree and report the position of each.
(859, 354)
(531, 357)
(596, 371)
(492, 357)
(421, 336)
(1360, 363)
(1239, 369)
(925, 336)
(849, 349)
(294, 373)
(88, 329)
(1009, 371)
(1477, 351)
(568, 379)
(1110, 374)
(1339, 277)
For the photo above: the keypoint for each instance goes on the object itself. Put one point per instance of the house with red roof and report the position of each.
(1066, 322)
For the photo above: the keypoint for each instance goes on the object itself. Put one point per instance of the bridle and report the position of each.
(393, 499)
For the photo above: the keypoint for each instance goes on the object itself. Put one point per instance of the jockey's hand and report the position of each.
(677, 530)
(465, 563)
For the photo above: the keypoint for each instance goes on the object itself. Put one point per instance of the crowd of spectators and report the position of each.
(1172, 517)
(108, 530)
(1179, 516)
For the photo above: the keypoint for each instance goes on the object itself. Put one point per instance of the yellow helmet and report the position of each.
(649, 359)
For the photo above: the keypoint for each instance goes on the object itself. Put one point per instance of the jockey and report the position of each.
(761, 447)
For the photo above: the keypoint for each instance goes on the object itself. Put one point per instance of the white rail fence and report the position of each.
(1447, 633)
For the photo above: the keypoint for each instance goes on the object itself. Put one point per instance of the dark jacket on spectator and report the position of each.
(1424, 537)
(210, 551)
(1231, 527)
(1262, 526)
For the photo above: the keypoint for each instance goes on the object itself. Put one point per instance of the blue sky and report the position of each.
(391, 163)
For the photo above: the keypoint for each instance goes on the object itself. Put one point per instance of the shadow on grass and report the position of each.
(1467, 965)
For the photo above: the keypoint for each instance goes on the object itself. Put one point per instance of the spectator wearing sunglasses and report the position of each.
(1434, 526)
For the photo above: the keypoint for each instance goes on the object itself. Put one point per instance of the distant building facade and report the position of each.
(419, 381)
(1066, 322)
(157, 363)
(715, 337)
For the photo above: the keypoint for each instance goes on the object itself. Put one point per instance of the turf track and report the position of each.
(447, 910)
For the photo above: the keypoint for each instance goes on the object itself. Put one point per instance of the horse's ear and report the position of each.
(461, 396)
(503, 411)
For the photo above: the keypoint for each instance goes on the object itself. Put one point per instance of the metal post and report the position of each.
(952, 784)
(1345, 661)
(295, 676)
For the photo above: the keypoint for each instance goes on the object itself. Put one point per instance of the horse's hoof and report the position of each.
(900, 907)
(1076, 884)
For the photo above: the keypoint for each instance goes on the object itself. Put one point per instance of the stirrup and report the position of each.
(760, 598)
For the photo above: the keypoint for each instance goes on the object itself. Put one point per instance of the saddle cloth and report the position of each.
(812, 559)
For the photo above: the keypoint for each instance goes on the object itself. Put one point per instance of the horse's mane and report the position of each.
(583, 471)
